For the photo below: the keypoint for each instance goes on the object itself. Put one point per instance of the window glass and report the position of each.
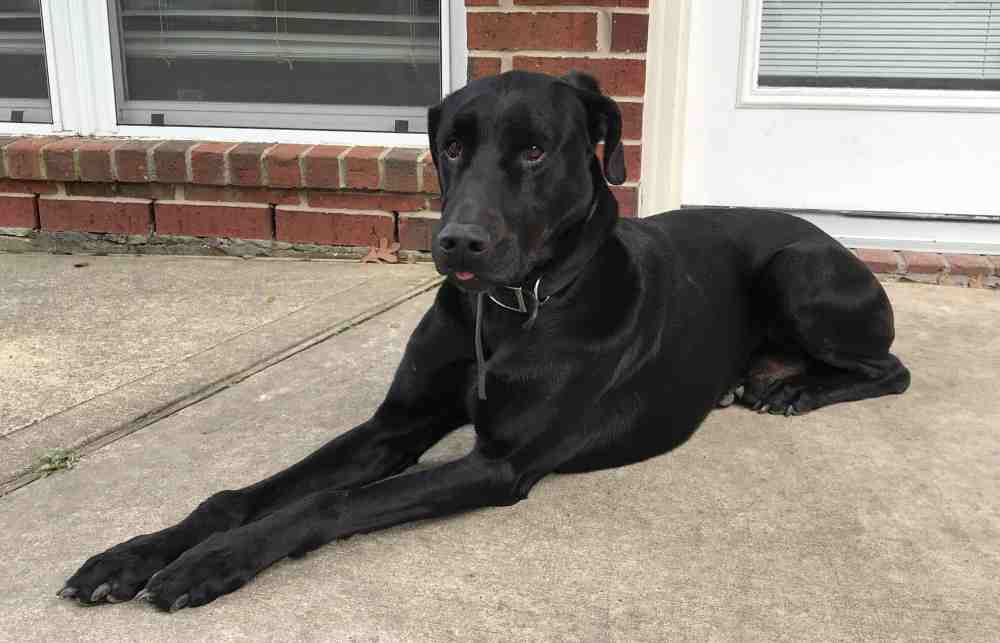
(24, 92)
(307, 64)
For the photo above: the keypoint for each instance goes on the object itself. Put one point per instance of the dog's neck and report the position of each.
(578, 246)
(575, 248)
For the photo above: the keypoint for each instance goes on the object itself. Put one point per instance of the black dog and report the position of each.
(573, 340)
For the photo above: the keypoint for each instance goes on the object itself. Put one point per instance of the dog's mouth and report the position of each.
(467, 280)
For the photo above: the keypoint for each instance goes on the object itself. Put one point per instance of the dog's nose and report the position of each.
(464, 238)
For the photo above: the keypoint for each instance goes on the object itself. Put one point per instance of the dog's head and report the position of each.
(515, 156)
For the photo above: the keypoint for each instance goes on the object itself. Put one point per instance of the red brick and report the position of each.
(481, 3)
(298, 225)
(430, 177)
(589, 3)
(28, 187)
(400, 165)
(417, 233)
(240, 195)
(208, 163)
(81, 214)
(880, 261)
(18, 211)
(547, 31)
(969, 265)
(245, 164)
(94, 160)
(629, 32)
(23, 157)
(617, 76)
(213, 220)
(60, 159)
(995, 261)
(128, 190)
(385, 201)
(171, 160)
(282, 165)
(482, 67)
(132, 161)
(323, 166)
(633, 160)
(361, 167)
(628, 200)
(923, 263)
(631, 120)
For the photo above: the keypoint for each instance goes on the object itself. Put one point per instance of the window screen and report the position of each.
(901, 44)
(303, 64)
(24, 90)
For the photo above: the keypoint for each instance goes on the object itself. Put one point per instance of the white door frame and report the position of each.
(664, 108)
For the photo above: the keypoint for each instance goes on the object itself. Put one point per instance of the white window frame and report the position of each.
(751, 95)
(82, 84)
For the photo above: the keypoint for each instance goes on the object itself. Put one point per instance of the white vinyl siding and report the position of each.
(901, 44)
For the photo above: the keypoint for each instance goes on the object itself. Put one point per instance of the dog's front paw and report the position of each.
(120, 572)
(215, 567)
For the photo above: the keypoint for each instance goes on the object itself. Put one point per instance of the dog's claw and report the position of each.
(764, 409)
(102, 590)
(790, 411)
(67, 592)
(144, 595)
(180, 603)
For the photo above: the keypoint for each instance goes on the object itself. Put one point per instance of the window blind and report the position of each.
(902, 44)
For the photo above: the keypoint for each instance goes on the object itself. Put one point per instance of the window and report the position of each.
(24, 94)
(915, 55)
(303, 64)
(894, 44)
(344, 71)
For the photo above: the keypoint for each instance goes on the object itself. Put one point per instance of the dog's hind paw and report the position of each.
(730, 397)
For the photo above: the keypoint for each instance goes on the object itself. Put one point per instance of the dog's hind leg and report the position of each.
(835, 325)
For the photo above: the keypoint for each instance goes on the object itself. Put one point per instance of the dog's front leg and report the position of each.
(423, 404)
(227, 560)
(525, 440)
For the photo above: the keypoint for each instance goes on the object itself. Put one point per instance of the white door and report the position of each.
(880, 119)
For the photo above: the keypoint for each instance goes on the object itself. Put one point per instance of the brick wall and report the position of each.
(296, 194)
(605, 38)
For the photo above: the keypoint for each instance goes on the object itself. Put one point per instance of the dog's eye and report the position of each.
(534, 154)
(453, 150)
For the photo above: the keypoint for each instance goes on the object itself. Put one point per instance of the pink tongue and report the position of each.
(464, 276)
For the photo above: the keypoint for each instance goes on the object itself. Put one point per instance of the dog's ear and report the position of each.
(604, 121)
(433, 119)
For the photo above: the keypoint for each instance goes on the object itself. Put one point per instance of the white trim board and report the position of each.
(890, 231)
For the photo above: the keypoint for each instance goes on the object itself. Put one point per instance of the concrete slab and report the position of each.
(870, 521)
(91, 344)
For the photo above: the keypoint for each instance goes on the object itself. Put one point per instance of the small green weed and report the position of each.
(55, 460)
